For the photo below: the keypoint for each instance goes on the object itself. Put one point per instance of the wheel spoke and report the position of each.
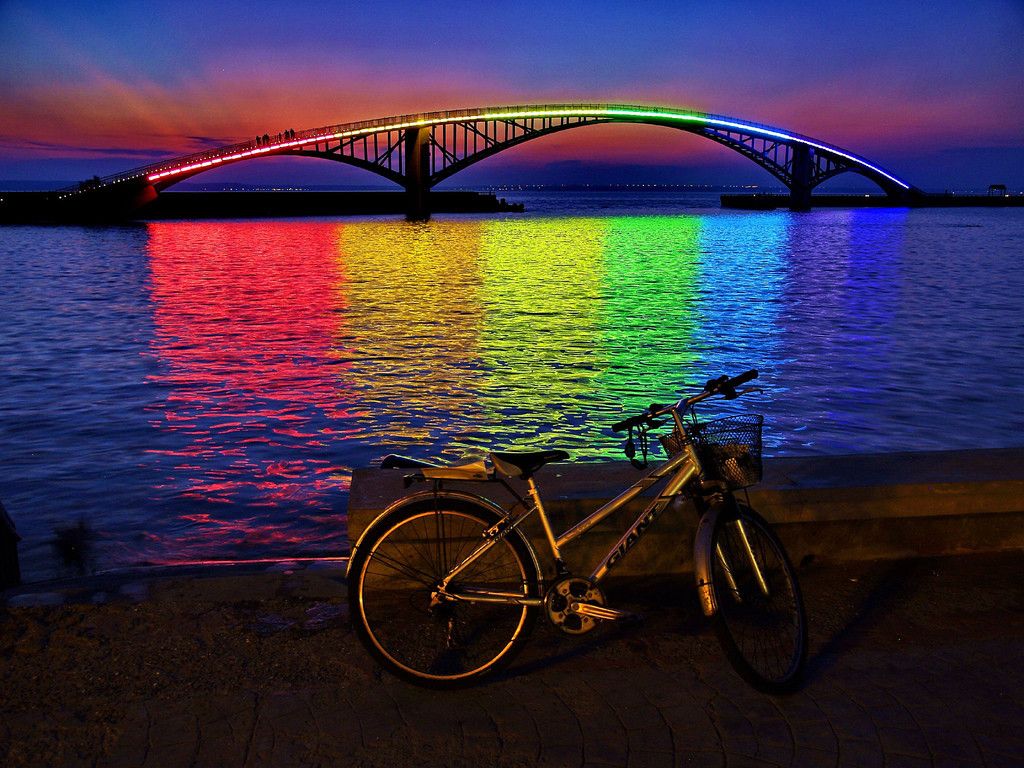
(403, 568)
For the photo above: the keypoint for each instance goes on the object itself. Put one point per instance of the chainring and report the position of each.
(561, 595)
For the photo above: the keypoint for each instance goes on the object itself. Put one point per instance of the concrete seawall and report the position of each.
(831, 508)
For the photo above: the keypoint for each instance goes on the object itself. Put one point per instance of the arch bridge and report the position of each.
(418, 151)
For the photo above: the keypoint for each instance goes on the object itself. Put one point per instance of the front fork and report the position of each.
(706, 551)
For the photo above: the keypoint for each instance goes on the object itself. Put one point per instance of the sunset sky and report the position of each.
(933, 91)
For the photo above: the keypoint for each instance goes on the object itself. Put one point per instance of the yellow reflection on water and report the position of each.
(412, 324)
(541, 289)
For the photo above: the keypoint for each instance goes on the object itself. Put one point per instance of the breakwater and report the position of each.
(43, 208)
(771, 201)
(213, 205)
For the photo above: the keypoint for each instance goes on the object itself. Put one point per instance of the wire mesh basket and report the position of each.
(729, 449)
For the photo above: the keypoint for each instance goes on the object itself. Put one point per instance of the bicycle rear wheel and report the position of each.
(395, 572)
(760, 621)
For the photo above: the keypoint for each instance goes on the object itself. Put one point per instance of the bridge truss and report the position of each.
(440, 150)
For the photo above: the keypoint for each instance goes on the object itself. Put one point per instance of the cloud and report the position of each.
(48, 148)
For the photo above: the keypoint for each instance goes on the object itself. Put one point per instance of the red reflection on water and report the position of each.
(245, 317)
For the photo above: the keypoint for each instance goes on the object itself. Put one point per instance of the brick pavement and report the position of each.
(913, 663)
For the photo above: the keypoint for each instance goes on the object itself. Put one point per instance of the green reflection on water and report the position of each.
(542, 288)
(649, 313)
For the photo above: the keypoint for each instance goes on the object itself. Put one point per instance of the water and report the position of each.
(203, 390)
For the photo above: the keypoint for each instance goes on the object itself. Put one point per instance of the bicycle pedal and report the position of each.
(603, 613)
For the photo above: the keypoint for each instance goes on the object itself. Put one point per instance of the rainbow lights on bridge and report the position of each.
(462, 116)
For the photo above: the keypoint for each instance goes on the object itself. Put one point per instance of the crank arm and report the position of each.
(600, 612)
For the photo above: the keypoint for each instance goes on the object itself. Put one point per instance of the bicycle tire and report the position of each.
(761, 627)
(396, 568)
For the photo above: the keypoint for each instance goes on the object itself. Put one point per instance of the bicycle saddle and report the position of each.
(523, 465)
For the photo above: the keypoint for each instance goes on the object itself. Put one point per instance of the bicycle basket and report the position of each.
(729, 449)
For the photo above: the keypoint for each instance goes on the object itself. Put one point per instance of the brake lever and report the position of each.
(630, 447)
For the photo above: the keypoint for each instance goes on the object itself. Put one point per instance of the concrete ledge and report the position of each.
(832, 508)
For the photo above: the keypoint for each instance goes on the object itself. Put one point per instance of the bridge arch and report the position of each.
(418, 151)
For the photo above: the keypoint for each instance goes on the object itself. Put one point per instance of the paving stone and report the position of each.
(132, 746)
(706, 740)
(951, 744)
(996, 747)
(560, 756)
(517, 732)
(857, 752)
(903, 741)
(604, 738)
(944, 761)
(700, 759)
(907, 761)
(776, 754)
(650, 759)
(634, 714)
(807, 757)
(774, 732)
(998, 760)
(816, 734)
(896, 716)
(800, 709)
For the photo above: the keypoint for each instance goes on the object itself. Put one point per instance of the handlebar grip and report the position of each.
(743, 378)
(726, 387)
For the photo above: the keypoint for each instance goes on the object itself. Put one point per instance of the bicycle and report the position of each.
(445, 587)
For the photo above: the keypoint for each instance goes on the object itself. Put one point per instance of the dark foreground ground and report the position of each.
(913, 663)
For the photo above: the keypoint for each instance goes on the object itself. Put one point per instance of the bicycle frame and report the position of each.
(681, 469)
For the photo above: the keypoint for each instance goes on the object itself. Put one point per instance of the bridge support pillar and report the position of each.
(417, 173)
(803, 171)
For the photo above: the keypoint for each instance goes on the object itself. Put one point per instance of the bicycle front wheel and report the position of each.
(392, 593)
(760, 621)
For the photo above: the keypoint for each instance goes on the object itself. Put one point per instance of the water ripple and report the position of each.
(202, 390)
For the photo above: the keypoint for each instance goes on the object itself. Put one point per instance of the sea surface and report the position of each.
(188, 391)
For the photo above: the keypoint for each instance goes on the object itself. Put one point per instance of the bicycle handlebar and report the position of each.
(723, 385)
